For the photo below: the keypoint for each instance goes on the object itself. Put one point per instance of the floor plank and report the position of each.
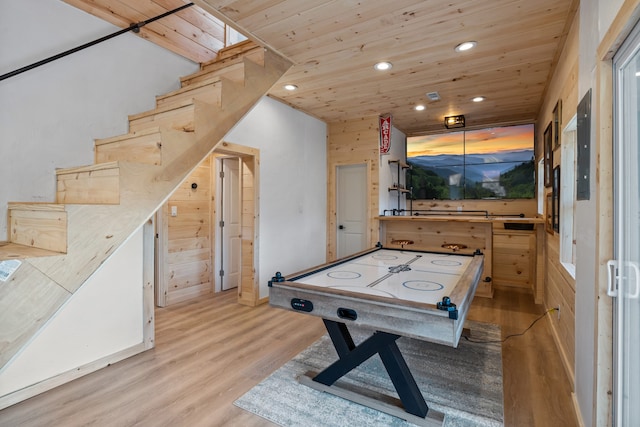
(210, 351)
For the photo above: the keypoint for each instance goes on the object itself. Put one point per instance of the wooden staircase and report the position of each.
(99, 206)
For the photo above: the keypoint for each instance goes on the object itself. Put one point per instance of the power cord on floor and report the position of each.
(513, 335)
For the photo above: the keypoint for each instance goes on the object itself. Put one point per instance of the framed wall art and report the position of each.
(556, 199)
(548, 210)
(548, 155)
(557, 123)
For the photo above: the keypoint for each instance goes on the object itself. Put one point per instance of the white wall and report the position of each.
(389, 173)
(293, 186)
(100, 319)
(50, 115)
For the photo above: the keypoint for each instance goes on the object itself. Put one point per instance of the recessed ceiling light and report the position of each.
(382, 66)
(478, 99)
(465, 46)
(290, 87)
(419, 107)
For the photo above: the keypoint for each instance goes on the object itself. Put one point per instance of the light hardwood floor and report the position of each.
(211, 350)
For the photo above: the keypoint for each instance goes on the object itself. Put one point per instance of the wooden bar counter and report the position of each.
(512, 246)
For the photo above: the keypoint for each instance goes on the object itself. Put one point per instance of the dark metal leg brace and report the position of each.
(382, 343)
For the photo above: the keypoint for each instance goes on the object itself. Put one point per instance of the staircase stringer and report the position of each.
(43, 285)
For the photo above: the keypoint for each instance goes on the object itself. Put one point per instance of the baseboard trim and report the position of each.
(563, 356)
(65, 377)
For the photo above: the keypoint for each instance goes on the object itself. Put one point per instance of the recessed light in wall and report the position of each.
(290, 87)
(419, 107)
(465, 46)
(382, 66)
(478, 99)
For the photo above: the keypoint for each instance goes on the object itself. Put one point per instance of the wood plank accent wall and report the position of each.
(514, 258)
(353, 142)
(559, 285)
(188, 265)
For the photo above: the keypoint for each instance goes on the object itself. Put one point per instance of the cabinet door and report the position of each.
(514, 259)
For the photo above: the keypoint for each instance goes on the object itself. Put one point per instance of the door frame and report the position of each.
(249, 288)
(625, 131)
(603, 102)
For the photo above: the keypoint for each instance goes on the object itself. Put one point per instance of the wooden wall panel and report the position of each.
(560, 292)
(432, 235)
(559, 285)
(514, 258)
(188, 265)
(528, 207)
(353, 142)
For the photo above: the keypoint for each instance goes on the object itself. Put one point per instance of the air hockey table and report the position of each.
(395, 293)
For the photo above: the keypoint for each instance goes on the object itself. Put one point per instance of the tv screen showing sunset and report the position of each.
(478, 164)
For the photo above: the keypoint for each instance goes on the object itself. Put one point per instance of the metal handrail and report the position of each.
(133, 27)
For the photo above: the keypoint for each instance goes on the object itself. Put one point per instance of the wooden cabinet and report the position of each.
(514, 258)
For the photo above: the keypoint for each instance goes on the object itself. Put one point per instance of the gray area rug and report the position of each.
(464, 383)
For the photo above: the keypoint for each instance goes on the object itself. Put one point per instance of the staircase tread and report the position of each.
(237, 49)
(193, 86)
(10, 250)
(217, 65)
(36, 206)
(186, 81)
(89, 168)
(243, 46)
(163, 109)
(137, 134)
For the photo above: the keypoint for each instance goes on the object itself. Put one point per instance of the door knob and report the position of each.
(341, 227)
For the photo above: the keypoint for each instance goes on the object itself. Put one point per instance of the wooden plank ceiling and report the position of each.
(335, 43)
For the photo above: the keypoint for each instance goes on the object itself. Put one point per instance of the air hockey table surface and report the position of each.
(422, 295)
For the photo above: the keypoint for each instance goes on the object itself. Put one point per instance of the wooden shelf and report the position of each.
(400, 189)
(400, 163)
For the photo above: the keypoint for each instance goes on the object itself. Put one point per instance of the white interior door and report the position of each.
(230, 223)
(352, 200)
(625, 269)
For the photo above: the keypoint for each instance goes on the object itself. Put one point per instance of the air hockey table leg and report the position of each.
(384, 344)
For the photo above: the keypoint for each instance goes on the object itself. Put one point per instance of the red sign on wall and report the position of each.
(385, 134)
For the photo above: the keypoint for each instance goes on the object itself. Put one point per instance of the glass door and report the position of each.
(624, 284)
